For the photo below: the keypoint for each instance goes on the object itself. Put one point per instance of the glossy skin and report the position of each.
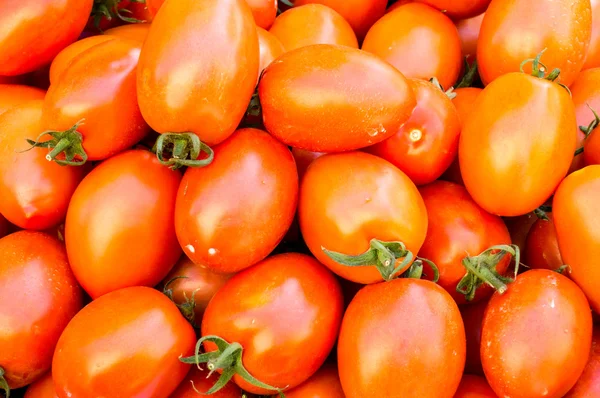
(519, 126)
(468, 31)
(35, 279)
(14, 95)
(575, 214)
(270, 48)
(141, 12)
(460, 9)
(137, 32)
(513, 31)
(154, 6)
(311, 98)
(588, 384)
(542, 324)
(425, 146)
(72, 52)
(25, 24)
(286, 349)
(233, 213)
(585, 94)
(35, 192)
(541, 246)
(304, 159)
(198, 68)
(348, 199)
(418, 40)
(132, 186)
(323, 384)
(200, 380)
(472, 316)
(591, 149)
(380, 325)
(124, 344)
(474, 387)
(592, 58)
(42, 388)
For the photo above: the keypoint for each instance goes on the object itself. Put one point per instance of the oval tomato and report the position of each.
(591, 149)
(519, 228)
(588, 384)
(263, 11)
(419, 41)
(270, 48)
(199, 380)
(72, 52)
(126, 343)
(464, 101)
(304, 159)
(468, 31)
(123, 213)
(541, 246)
(541, 327)
(474, 387)
(327, 98)
(137, 32)
(585, 94)
(13, 95)
(323, 384)
(35, 279)
(592, 58)
(472, 316)
(459, 9)
(42, 388)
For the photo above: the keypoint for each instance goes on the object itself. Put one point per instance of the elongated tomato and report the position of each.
(42, 388)
(12, 95)
(72, 52)
(270, 48)
(325, 383)
(592, 58)
(541, 246)
(137, 32)
(588, 384)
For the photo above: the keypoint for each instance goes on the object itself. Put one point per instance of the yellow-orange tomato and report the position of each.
(270, 48)
(137, 32)
(468, 30)
(592, 58)
(14, 95)
(464, 101)
(263, 11)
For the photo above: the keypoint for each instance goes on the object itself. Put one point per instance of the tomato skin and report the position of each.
(211, 97)
(519, 125)
(304, 159)
(464, 101)
(137, 32)
(270, 48)
(541, 246)
(419, 41)
(27, 22)
(200, 380)
(323, 384)
(13, 95)
(592, 58)
(308, 302)
(591, 152)
(35, 279)
(347, 199)
(154, 6)
(468, 31)
(575, 213)
(232, 213)
(427, 143)
(143, 334)
(474, 387)
(263, 11)
(459, 9)
(540, 325)
(42, 388)
(381, 323)
(585, 95)
(132, 186)
(513, 31)
(70, 53)
(141, 12)
(472, 316)
(308, 102)
(588, 384)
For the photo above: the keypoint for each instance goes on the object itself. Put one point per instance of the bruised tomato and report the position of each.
(199, 380)
(270, 48)
(588, 384)
(474, 387)
(42, 388)
(323, 384)
(541, 246)
(472, 316)
(14, 95)
(468, 31)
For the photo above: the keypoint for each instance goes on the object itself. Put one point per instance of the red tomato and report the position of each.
(270, 48)
(425, 146)
(304, 159)
(513, 31)
(42, 388)
(588, 384)
(123, 213)
(575, 210)
(233, 213)
(34, 32)
(592, 58)
(154, 6)
(541, 246)
(591, 149)
(137, 32)
(459, 9)
(327, 98)
(418, 40)
(323, 384)
(124, 344)
(38, 297)
(107, 14)
(380, 325)
(472, 316)
(140, 11)
(585, 95)
(468, 31)
(519, 228)
(285, 312)
(474, 387)
(14, 95)
(72, 52)
(200, 380)
(542, 328)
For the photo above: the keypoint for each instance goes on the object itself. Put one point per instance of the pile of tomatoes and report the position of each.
(305, 199)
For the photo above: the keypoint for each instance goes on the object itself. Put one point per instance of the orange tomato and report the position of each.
(464, 101)
(304, 159)
(474, 387)
(137, 32)
(588, 384)
(592, 58)
(591, 149)
(73, 52)
(263, 11)
(42, 388)
(541, 246)
(459, 9)
(325, 383)
(154, 6)
(14, 95)
(585, 94)
(468, 31)
(199, 380)
(270, 48)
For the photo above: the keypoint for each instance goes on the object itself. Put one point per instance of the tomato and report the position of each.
(13, 95)
(312, 24)
(72, 52)
(108, 14)
(541, 327)
(380, 324)
(424, 146)
(472, 316)
(418, 40)
(42, 388)
(592, 58)
(38, 297)
(575, 213)
(137, 32)
(348, 200)
(591, 149)
(154, 6)
(588, 384)
(323, 384)
(35, 192)
(285, 312)
(327, 98)
(519, 228)
(468, 31)
(200, 380)
(585, 95)
(263, 11)
(304, 159)
(460, 9)
(233, 213)
(270, 48)
(541, 246)
(474, 387)
(522, 128)
(397, 4)
(141, 12)
(464, 101)
(123, 213)
(124, 344)
(513, 31)
(43, 28)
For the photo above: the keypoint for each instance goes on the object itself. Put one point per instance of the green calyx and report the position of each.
(110, 9)
(450, 92)
(539, 70)
(188, 307)
(415, 271)
(228, 359)
(542, 212)
(587, 130)
(4, 383)
(69, 143)
(469, 76)
(185, 148)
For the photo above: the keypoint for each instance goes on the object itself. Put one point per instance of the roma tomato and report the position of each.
(123, 213)
(541, 327)
(419, 41)
(380, 324)
(464, 101)
(592, 58)
(142, 333)
(26, 26)
(42, 388)
(591, 149)
(200, 380)
(304, 159)
(474, 387)
(541, 246)
(575, 211)
(141, 12)
(427, 143)
(459, 9)
(285, 312)
(14, 95)
(233, 213)
(468, 31)
(35, 192)
(519, 228)
(585, 93)
(327, 98)
(263, 11)
(270, 48)
(513, 31)
(72, 52)
(588, 384)
(472, 316)
(137, 32)
(35, 279)
(323, 384)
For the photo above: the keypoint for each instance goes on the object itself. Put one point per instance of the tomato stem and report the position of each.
(4, 383)
(471, 72)
(69, 143)
(182, 146)
(538, 69)
(188, 307)
(110, 9)
(587, 130)
(287, 3)
(449, 93)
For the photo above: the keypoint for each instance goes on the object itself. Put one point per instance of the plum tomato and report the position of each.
(588, 384)
(541, 246)
(472, 386)
(270, 48)
(42, 388)
(323, 384)
(14, 95)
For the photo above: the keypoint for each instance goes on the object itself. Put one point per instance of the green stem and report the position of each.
(69, 143)
(470, 74)
(188, 307)
(287, 3)
(4, 383)
(182, 145)
(587, 130)
(579, 151)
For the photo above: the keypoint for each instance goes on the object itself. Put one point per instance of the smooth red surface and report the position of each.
(588, 384)
(198, 381)
(541, 246)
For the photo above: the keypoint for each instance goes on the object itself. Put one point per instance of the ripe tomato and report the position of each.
(36, 281)
(124, 344)
(137, 32)
(42, 28)
(468, 31)
(585, 95)
(263, 11)
(418, 40)
(139, 11)
(588, 384)
(519, 228)
(424, 146)
(541, 246)
(460, 9)
(122, 213)
(233, 213)
(154, 6)
(270, 48)
(575, 211)
(304, 159)
(107, 14)
(474, 387)
(14, 95)
(591, 149)
(522, 128)
(513, 31)
(200, 380)
(42, 388)
(472, 316)
(464, 101)
(541, 327)
(312, 99)
(380, 324)
(323, 384)
(72, 52)
(35, 192)
(592, 58)
(285, 312)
